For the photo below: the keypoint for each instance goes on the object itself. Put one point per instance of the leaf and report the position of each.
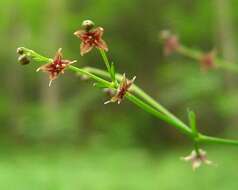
(99, 85)
(113, 72)
(192, 122)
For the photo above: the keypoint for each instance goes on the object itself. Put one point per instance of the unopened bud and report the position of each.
(165, 34)
(88, 25)
(20, 51)
(23, 60)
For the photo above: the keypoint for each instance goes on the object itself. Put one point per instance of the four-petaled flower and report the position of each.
(57, 66)
(90, 37)
(122, 89)
(197, 159)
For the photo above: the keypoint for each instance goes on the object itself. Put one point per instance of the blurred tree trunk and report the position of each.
(52, 36)
(226, 37)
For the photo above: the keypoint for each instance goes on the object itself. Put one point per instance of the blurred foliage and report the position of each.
(106, 169)
(72, 111)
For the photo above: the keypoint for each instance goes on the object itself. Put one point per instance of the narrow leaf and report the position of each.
(113, 72)
(99, 85)
(192, 122)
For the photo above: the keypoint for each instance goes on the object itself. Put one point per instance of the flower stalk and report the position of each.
(110, 67)
(192, 123)
(142, 100)
(120, 87)
(217, 63)
(143, 95)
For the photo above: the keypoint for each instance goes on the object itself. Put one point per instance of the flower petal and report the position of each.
(80, 34)
(123, 81)
(59, 54)
(130, 82)
(196, 164)
(43, 68)
(101, 44)
(187, 158)
(85, 48)
(98, 32)
(208, 162)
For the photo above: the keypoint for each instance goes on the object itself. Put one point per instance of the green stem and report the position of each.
(215, 140)
(36, 56)
(196, 148)
(139, 92)
(135, 100)
(197, 55)
(136, 90)
(151, 110)
(192, 124)
(106, 62)
(94, 77)
(189, 52)
(151, 106)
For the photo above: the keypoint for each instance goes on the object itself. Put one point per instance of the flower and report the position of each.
(208, 60)
(122, 90)
(171, 42)
(197, 159)
(90, 37)
(57, 66)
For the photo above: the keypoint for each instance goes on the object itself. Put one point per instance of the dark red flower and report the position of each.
(90, 37)
(208, 60)
(122, 90)
(57, 66)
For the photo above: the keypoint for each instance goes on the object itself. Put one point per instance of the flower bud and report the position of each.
(20, 51)
(165, 34)
(23, 59)
(88, 25)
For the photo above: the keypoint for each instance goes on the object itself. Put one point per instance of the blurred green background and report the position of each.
(63, 137)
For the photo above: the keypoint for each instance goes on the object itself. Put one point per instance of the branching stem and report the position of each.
(139, 98)
(197, 55)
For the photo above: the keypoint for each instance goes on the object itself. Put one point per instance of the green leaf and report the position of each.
(192, 122)
(100, 85)
(113, 72)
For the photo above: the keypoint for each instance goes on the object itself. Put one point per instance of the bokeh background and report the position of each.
(63, 137)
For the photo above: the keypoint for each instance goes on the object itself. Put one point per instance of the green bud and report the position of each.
(20, 51)
(23, 59)
(88, 24)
